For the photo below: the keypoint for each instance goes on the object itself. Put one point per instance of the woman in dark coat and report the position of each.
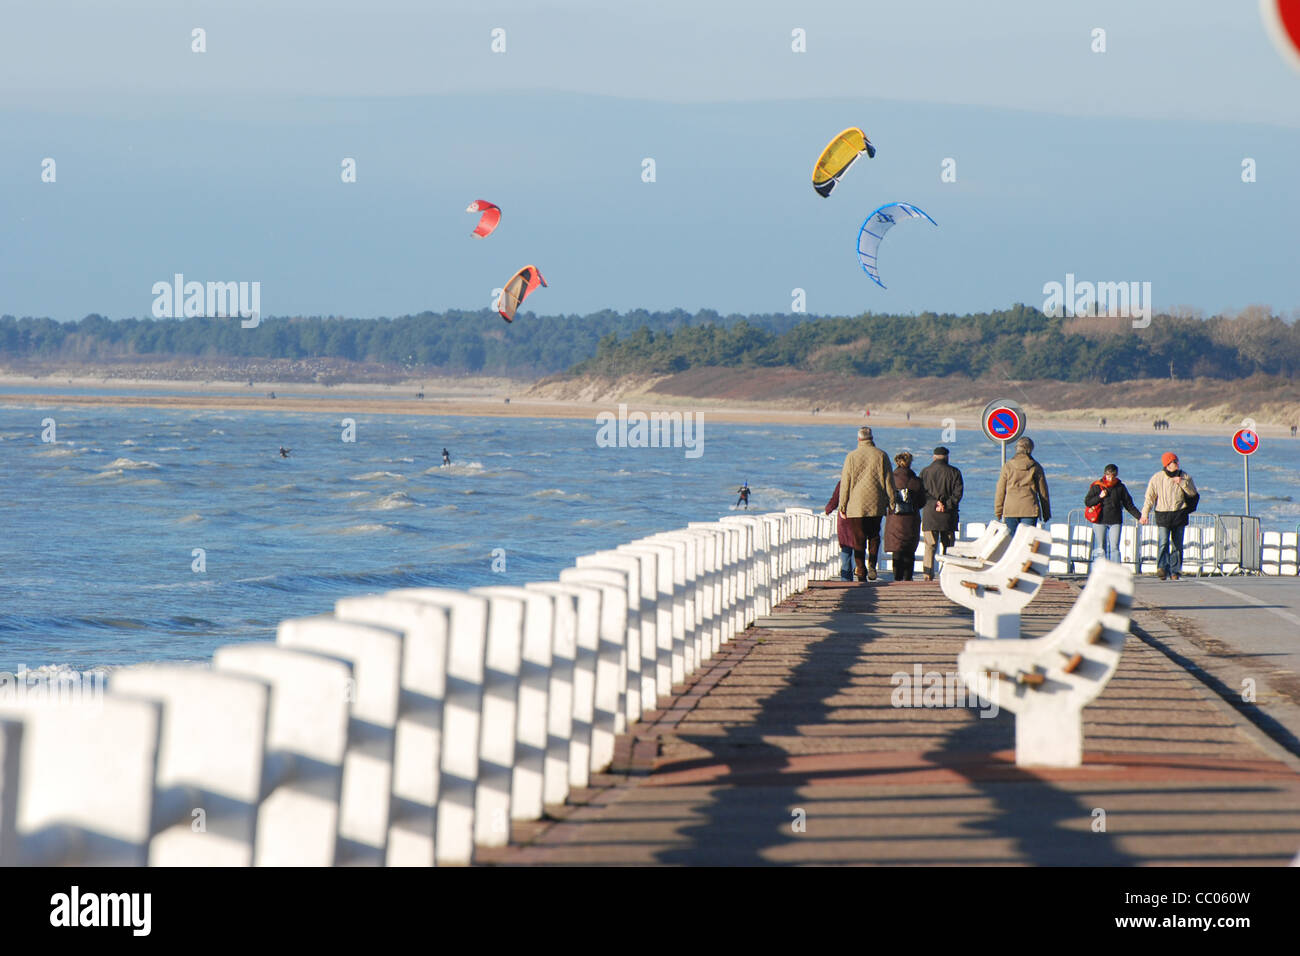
(903, 526)
(850, 536)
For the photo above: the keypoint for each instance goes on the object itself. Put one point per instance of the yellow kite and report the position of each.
(839, 154)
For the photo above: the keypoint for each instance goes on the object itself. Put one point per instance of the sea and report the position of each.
(132, 535)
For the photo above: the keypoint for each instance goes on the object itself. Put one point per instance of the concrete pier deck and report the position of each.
(788, 748)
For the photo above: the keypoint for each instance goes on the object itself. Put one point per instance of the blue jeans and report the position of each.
(846, 563)
(1170, 541)
(1014, 523)
(1105, 541)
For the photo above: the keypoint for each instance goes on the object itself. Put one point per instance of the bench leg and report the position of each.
(990, 625)
(1049, 737)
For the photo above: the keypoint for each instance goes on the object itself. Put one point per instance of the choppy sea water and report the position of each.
(100, 528)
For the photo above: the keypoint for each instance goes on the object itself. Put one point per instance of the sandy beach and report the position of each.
(504, 398)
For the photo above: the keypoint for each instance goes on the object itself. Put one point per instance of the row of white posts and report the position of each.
(404, 728)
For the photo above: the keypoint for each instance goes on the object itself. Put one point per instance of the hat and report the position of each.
(1026, 445)
(864, 433)
(941, 452)
(1166, 458)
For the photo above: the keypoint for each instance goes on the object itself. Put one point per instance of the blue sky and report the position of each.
(1122, 165)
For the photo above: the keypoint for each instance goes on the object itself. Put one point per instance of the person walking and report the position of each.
(939, 519)
(1171, 496)
(1104, 505)
(903, 525)
(865, 494)
(1021, 494)
(846, 532)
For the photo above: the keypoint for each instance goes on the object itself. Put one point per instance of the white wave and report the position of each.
(397, 499)
(131, 464)
(379, 476)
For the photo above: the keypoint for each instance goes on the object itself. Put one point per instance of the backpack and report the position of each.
(903, 502)
(1093, 512)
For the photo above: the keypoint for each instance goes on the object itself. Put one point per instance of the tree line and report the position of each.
(1020, 342)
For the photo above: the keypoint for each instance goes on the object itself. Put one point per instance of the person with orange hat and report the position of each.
(1171, 496)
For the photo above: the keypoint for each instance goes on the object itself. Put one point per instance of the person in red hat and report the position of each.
(1171, 497)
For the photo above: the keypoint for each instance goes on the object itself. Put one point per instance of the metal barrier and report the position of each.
(1212, 544)
(1237, 544)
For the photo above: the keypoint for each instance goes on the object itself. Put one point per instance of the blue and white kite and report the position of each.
(874, 229)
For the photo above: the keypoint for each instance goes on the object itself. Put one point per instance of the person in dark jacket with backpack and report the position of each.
(903, 525)
(849, 535)
(1106, 501)
(939, 518)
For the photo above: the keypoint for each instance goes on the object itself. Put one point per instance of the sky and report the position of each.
(1117, 165)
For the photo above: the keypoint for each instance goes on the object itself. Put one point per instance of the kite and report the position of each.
(874, 229)
(519, 287)
(839, 154)
(488, 221)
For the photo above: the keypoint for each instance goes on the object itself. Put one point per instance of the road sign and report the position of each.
(1282, 18)
(1003, 421)
(1245, 441)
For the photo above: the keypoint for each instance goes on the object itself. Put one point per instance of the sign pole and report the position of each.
(1004, 452)
(1245, 464)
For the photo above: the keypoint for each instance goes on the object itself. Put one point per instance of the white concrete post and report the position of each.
(660, 558)
(610, 709)
(642, 692)
(686, 584)
(211, 753)
(465, 626)
(86, 773)
(577, 644)
(527, 790)
(375, 654)
(307, 737)
(417, 735)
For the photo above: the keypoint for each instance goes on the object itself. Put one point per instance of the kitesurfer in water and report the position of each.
(743, 491)
(446, 458)
(284, 452)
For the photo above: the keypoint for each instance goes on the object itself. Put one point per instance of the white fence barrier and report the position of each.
(403, 729)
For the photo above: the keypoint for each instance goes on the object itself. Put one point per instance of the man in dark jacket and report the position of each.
(1109, 493)
(939, 518)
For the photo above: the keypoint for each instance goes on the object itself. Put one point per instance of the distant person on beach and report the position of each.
(284, 452)
(1293, 431)
(903, 526)
(446, 458)
(845, 531)
(943, 491)
(1104, 505)
(743, 492)
(865, 493)
(1171, 497)
(1021, 494)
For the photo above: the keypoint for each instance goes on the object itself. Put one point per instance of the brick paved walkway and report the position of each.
(786, 749)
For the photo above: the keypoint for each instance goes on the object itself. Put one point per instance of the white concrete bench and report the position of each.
(659, 578)
(1047, 681)
(982, 548)
(999, 591)
(307, 739)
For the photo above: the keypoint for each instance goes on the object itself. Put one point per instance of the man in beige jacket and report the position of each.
(1171, 497)
(866, 490)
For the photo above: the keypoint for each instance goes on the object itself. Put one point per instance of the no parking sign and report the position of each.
(1245, 442)
(1003, 421)
(1282, 18)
